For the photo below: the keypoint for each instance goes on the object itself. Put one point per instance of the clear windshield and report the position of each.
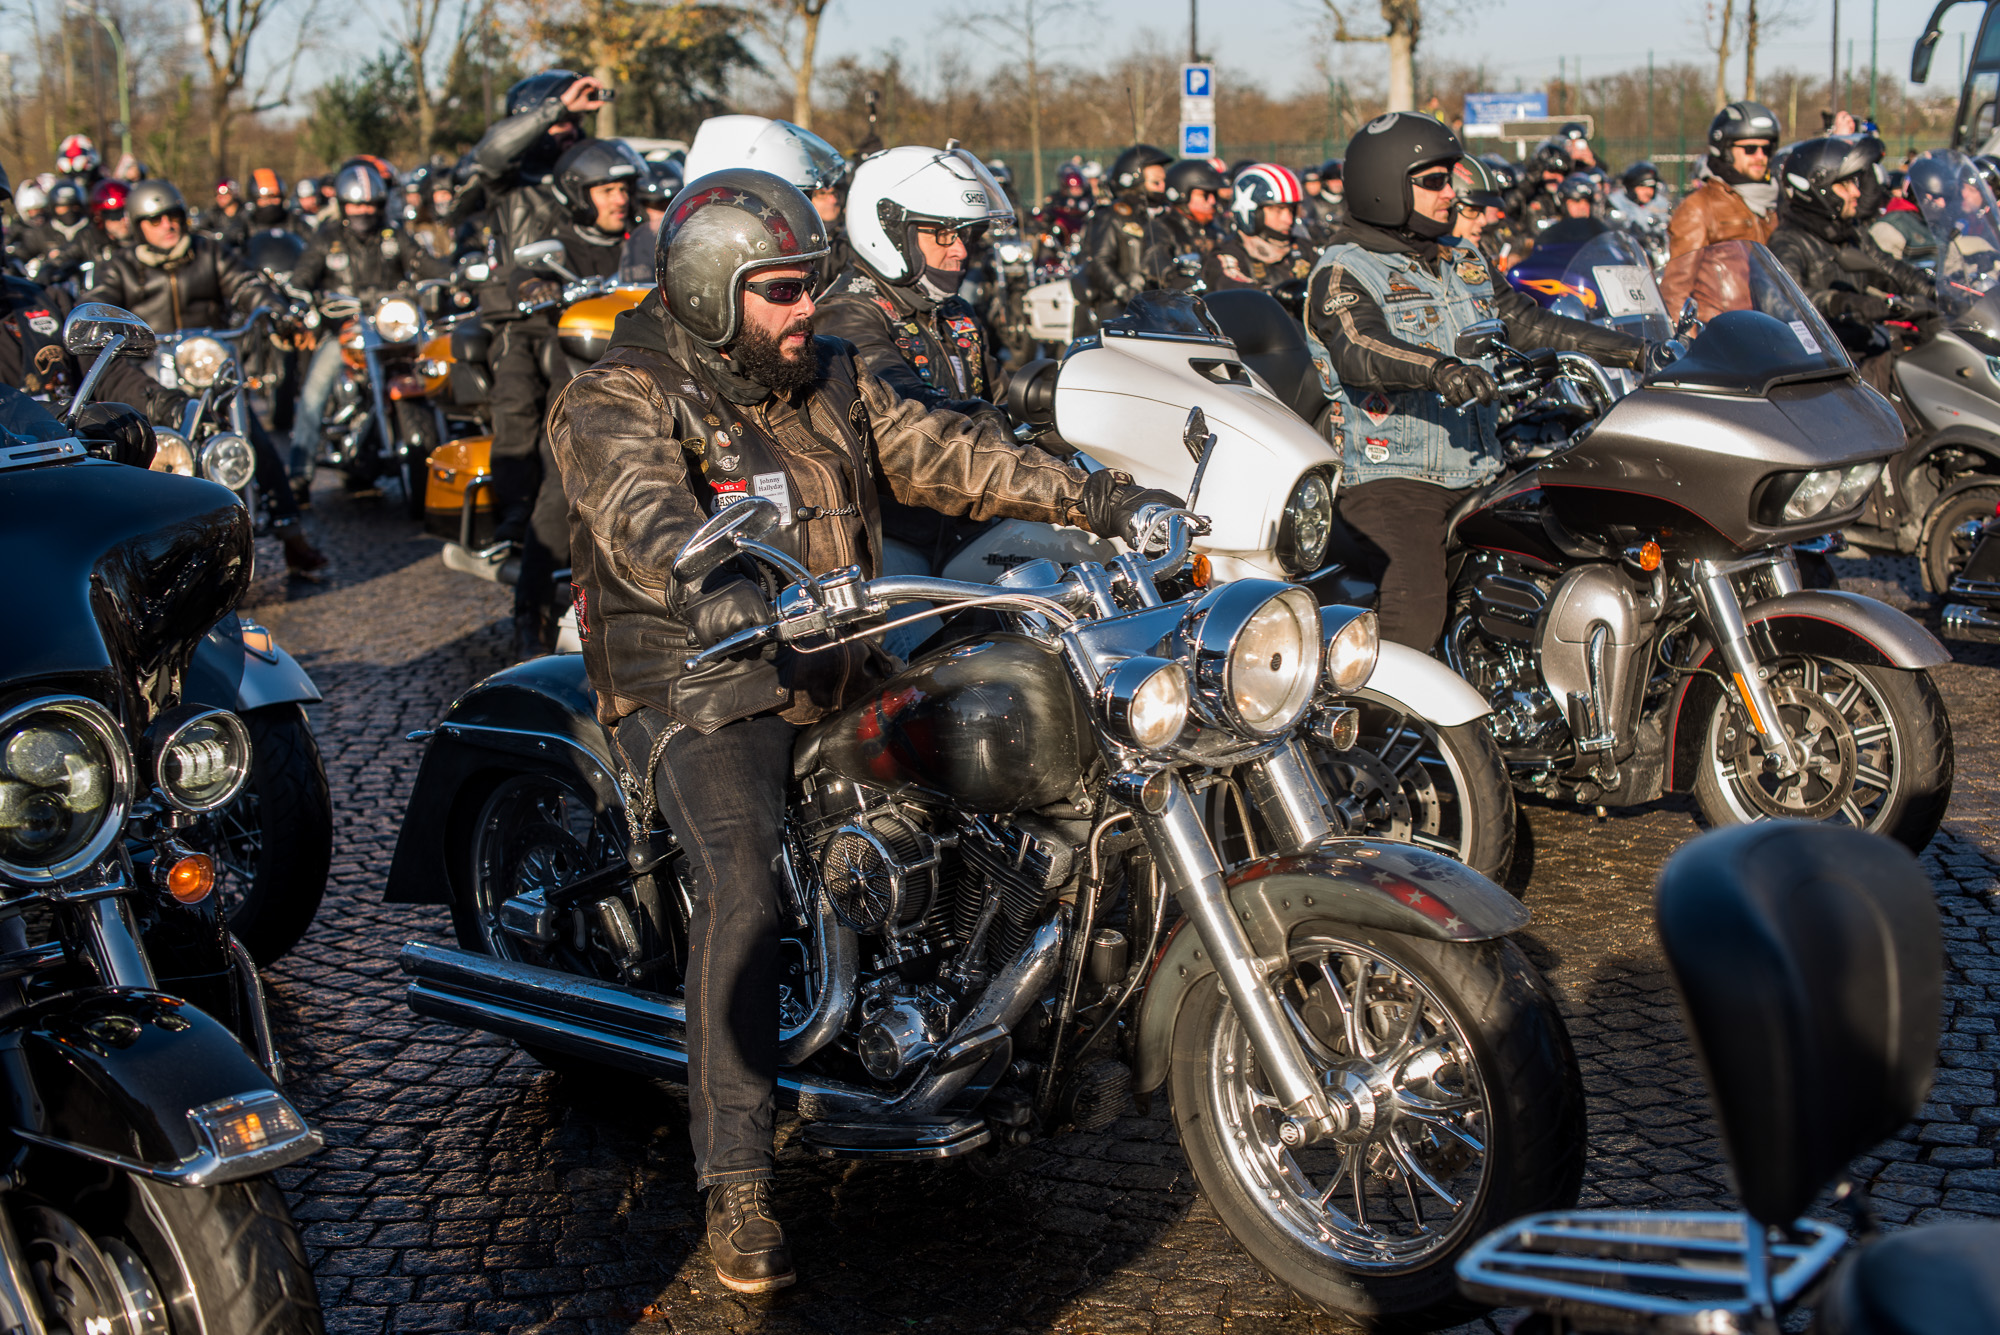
(1959, 210)
(999, 209)
(1758, 328)
(1612, 268)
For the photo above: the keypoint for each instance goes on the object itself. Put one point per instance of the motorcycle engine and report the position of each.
(1497, 610)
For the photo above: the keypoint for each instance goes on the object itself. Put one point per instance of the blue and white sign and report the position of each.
(1197, 111)
(1488, 113)
(1197, 81)
(1197, 141)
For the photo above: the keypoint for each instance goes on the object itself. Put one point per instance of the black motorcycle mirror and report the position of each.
(716, 540)
(1807, 962)
(109, 332)
(1478, 339)
(1689, 319)
(545, 255)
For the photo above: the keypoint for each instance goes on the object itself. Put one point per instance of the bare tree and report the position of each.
(1025, 21)
(229, 29)
(779, 24)
(610, 35)
(1763, 19)
(1718, 33)
(1404, 22)
(414, 27)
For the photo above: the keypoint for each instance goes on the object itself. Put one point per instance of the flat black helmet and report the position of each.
(662, 181)
(1577, 185)
(722, 227)
(1739, 121)
(1330, 170)
(594, 162)
(1128, 172)
(1191, 174)
(531, 92)
(1381, 157)
(1638, 174)
(1476, 184)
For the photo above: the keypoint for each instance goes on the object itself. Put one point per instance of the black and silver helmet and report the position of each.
(662, 181)
(1739, 121)
(1810, 170)
(1188, 175)
(531, 92)
(1128, 173)
(1381, 157)
(594, 162)
(723, 226)
(154, 199)
(359, 183)
(1476, 184)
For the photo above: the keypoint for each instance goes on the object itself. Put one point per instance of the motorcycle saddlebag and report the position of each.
(458, 467)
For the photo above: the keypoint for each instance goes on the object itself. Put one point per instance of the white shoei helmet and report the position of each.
(762, 144)
(896, 190)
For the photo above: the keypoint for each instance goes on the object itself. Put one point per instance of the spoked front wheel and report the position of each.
(1473, 1116)
(1875, 752)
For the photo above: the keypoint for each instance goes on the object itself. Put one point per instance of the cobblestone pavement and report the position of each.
(465, 1188)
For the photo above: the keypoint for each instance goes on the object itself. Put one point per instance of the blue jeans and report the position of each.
(724, 796)
(318, 388)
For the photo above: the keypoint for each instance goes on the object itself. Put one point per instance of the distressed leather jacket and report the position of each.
(1716, 213)
(660, 432)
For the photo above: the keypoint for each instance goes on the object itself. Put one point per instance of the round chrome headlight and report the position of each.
(65, 779)
(1145, 701)
(1256, 650)
(197, 361)
(1353, 643)
(200, 757)
(227, 458)
(397, 320)
(1306, 525)
(171, 453)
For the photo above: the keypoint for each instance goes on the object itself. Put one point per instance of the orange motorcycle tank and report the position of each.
(434, 365)
(585, 328)
(459, 466)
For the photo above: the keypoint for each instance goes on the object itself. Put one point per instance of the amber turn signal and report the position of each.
(1199, 571)
(1646, 556)
(190, 879)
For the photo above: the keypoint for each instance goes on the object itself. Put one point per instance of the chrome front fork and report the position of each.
(1187, 859)
(1714, 585)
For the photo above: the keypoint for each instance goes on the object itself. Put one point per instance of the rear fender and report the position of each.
(110, 1075)
(1825, 623)
(537, 716)
(1363, 882)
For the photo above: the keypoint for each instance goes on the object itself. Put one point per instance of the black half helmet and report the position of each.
(531, 92)
(721, 227)
(1811, 168)
(1190, 174)
(662, 181)
(594, 162)
(1739, 121)
(1128, 172)
(1577, 185)
(1380, 159)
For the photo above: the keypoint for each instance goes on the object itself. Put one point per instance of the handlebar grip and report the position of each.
(722, 648)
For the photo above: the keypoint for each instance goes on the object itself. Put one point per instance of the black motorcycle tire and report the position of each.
(1534, 1138)
(417, 434)
(224, 1260)
(287, 808)
(1940, 555)
(1913, 802)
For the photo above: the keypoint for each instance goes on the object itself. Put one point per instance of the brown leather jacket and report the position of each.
(658, 433)
(1716, 213)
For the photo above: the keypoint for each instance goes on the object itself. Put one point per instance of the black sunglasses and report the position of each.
(780, 291)
(1436, 180)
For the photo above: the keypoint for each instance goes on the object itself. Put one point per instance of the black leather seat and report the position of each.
(470, 342)
(1272, 344)
(1943, 1279)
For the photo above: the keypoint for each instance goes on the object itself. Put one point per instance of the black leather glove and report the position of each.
(1460, 383)
(725, 605)
(1857, 305)
(116, 432)
(538, 290)
(1112, 500)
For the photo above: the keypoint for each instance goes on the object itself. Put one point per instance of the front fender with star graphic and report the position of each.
(1355, 882)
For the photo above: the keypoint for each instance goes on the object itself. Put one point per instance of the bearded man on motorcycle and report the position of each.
(1849, 280)
(1261, 251)
(1738, 202)
(1126, 248)
(594, 181)
(363, 256)
(1194, 188)
(1384, 308)
(173, 279)
(715, 389)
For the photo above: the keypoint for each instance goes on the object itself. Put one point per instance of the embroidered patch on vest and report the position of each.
(1230, 268)
(42, 322)
(1376, 450)
(1472, 272)
(1378, 408)
(1340, 300)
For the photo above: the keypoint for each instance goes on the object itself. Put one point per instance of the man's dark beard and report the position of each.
(757, 356)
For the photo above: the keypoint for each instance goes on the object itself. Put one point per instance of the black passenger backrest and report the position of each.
(470, 341)
(1809, 963)
(1271, 343)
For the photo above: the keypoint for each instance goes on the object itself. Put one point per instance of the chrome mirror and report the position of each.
(95, 325)
(1690, 318)
(715, 541)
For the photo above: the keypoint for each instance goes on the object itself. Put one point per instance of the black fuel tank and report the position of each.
(993, 725)
(1511, 520)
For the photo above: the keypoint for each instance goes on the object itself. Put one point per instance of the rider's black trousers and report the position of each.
(724, 797)
(1403, 521)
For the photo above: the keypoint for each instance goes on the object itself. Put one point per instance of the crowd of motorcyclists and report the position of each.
(1386, 256)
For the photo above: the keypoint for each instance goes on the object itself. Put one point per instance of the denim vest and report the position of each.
(1414, 433)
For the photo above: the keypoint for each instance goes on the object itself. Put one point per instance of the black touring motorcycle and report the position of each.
(144, 1108)
(1005, 914)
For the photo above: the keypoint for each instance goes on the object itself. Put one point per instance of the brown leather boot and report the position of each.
(301, 557)
(751, 1254)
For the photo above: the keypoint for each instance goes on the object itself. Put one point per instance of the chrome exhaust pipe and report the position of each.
(987, 1025)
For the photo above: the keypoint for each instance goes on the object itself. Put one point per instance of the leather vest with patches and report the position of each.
(32, 322)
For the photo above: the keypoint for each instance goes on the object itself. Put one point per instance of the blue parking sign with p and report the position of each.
(1197, 141)
(1197, 81)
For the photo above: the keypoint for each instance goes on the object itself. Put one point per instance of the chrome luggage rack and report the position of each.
(1691, 1273)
